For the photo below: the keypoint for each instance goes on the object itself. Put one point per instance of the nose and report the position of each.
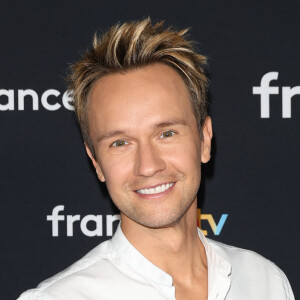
(148, 160)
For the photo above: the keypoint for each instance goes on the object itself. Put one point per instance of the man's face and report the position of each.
(147, 144)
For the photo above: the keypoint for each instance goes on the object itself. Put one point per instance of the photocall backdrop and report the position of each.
(54, 210)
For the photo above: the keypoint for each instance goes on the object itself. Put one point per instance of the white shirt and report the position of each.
(115, 270)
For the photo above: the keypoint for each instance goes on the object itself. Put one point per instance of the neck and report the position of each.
(176, 249)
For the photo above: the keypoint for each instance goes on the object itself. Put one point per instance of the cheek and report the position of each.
(186, 155)
(186, 161)
(116, 171)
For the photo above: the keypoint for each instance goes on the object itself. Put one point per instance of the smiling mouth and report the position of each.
(156, 190)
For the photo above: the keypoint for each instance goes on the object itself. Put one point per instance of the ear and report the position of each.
(95, 164)
(206, 140)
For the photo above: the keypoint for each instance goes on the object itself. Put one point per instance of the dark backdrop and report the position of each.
(253, 176)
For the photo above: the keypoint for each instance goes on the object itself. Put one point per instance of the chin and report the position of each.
(157, 219)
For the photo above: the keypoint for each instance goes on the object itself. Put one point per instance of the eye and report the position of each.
(167, 134)
(119, 143)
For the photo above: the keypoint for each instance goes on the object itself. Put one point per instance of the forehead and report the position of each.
(138, 98)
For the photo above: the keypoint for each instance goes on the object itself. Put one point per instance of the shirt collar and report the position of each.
(123, 253)
(219, 269)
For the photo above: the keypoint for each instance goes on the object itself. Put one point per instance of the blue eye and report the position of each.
(119, 143)
(167, 134)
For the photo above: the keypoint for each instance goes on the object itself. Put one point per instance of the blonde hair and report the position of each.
(133, 45)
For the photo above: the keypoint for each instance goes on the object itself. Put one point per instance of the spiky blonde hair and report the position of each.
(133, 45)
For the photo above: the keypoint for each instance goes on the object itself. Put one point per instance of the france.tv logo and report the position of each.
(216, 228)
(104, 225)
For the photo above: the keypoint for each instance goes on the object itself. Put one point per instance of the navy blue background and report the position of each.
(253, 176)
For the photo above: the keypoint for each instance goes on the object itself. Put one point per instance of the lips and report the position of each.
(156, 190)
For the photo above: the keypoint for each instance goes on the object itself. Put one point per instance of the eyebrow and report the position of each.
(114, 133)
(110, 134)
(170, 123)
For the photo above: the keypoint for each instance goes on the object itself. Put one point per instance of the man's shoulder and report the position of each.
(258, 272)
(239, 257)
(95, 264)
(231, 252)
(235, 255)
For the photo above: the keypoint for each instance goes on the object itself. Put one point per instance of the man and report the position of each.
(140, 99)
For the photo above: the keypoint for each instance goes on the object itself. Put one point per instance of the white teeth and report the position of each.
(156, 190)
